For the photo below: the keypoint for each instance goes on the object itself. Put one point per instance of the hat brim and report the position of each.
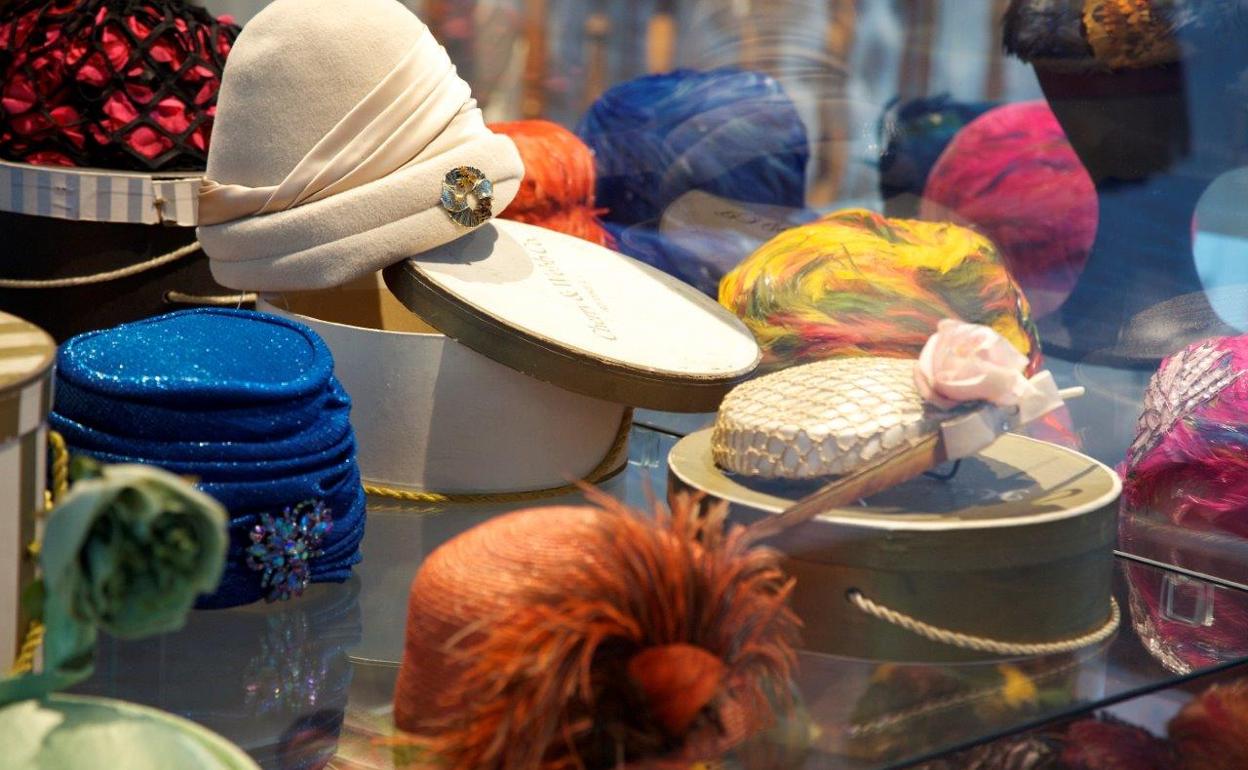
(1154, 333)
(338, 239)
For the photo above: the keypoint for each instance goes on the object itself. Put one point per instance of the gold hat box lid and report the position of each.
(26, 354)
(579, 316)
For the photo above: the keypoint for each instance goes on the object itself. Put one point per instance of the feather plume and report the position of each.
(661, 636)
(557, 191)
(1188, 462)
(1087, 35)
(1046, 30)
(856, 283)
(1105, 743)
(1211, 732)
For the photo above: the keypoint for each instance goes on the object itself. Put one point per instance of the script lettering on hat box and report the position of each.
(578, 293)
(580, 298)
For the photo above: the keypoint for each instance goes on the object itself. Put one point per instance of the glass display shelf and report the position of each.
(308, 683)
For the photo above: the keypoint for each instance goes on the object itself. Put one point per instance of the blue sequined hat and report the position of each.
(248, 405)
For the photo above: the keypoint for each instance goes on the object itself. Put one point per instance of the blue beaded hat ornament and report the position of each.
(283, 547)
(246, 404)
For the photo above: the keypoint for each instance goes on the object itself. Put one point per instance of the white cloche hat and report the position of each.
(344, 142)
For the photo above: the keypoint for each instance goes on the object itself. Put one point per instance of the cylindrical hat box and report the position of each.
(430, 414)
(83, 247)
(1016, 547)
(27, 354)
(507, 361)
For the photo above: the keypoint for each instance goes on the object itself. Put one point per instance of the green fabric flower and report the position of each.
(126, 551)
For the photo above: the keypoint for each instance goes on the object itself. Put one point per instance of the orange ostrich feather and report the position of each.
(1211, 732)
(595, 636)
(557, 191)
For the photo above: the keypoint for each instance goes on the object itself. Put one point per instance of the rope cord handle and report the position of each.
(60, 465)
(947, 703)
(210, 300)
(110, 275)
(25, 662)
(980, 643)
(604, 470)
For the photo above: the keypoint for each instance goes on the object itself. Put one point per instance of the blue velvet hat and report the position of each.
(248, 405)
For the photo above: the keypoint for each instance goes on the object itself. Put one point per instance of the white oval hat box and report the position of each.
(508, 360)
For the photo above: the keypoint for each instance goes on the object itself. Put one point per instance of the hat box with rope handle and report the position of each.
(897, 557)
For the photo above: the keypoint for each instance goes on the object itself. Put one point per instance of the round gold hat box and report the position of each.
(1016, 547)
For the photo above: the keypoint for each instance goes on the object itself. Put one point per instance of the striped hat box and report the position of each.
(26, 357)
(98, 195)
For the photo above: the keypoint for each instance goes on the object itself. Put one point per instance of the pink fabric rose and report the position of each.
(94, 71)
(68, 119)
(120, 112)
(166, 51)
(19, 95)
(147, 142)
(968, 362)
(48, 158)
(171, 115)
(116, 47)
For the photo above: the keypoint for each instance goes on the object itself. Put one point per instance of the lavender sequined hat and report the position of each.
(248, 405)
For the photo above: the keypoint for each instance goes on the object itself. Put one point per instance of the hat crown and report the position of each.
(295, 71)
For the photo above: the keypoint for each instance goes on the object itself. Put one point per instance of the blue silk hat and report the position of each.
(248, 405)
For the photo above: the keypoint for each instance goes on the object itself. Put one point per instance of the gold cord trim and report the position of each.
(25, 662)
(605, 469)
(60, 465)
(110, 275)
(891, 721)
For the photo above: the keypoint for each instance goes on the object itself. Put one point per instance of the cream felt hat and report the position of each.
(344, 142)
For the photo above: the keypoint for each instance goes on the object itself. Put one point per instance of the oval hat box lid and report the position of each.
(101, 195)
(1046, 499)
(27, 354)
(579, 316)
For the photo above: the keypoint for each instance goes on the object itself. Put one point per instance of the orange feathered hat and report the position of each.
(557, 191)
(594, 636)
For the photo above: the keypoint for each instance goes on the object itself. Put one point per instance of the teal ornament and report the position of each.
(283, 547)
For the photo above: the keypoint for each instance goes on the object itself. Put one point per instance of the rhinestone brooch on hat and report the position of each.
(460, 183)
(283, 547)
